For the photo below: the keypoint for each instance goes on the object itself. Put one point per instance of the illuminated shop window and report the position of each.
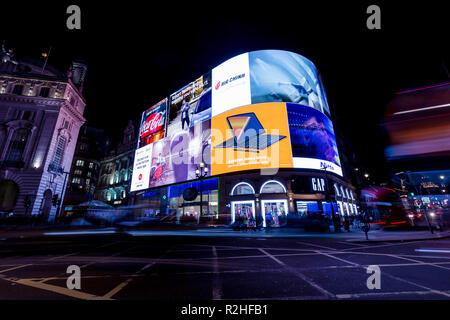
(272, 186)
(306, 208)
(242, 188)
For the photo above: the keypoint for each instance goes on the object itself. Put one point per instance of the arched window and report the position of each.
(17, 145)
(272, 186)
(242, 188)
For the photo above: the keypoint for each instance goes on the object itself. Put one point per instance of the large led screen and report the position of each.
(282, 76)
(262, 109)
(175, 158)
(190, 105)
(313, 140)
(153, 123)
(251, 137)
(267, 76)
(141, 168)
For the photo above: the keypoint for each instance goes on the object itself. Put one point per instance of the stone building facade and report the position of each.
(41, 112)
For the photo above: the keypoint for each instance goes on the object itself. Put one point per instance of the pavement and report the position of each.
(354, 235)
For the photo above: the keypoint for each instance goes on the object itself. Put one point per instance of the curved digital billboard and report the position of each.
(262, 109)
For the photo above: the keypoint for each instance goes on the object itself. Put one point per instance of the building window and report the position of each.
(59, 153)
(242, 188)
(28, 115)
(17, 145)
(89, 173)
(76, 180)
(91, 165)
(88, 181)
(78, 172)
(18, 89)
(44, 92)
(272, 186)
(80, 163)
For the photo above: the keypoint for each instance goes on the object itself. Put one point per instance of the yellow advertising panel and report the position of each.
(251, 137)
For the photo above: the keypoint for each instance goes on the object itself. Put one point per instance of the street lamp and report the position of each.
(201, 173)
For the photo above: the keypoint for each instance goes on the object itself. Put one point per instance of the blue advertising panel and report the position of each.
(282, 76)
(312, 139)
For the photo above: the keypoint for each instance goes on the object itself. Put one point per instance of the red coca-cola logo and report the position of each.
(140, 176)
(217, 85)
(152, 124)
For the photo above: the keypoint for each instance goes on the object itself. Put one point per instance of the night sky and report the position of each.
(138, 55)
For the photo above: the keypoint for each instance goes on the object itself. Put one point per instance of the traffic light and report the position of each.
(55, 200)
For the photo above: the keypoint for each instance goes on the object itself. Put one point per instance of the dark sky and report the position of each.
(138, 55)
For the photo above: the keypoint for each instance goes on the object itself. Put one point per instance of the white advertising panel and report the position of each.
(141, 168)
(231, 84)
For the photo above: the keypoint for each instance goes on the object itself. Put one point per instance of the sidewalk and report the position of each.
(353, 236)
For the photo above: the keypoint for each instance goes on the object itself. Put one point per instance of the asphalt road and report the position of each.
(122, 267)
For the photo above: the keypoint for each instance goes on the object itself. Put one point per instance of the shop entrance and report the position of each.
(274, 212)
(242, 211)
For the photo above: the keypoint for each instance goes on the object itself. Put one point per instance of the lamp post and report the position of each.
(201, 173)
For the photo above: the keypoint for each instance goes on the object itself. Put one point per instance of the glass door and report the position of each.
(274, 212)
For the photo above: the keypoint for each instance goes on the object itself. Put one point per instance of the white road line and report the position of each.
(63, 256)
(271, 257)
(315, 245)
(369, 294)
(299, 274)
(432, 250)
(420, 262)
(385, 245)
(397, 278)
(216, 283)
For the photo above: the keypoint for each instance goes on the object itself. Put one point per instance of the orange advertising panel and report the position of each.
(250, 137)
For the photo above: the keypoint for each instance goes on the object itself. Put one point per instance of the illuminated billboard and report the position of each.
(172, 159)
(267, 76)
(153, 123)
(189, 105)
(262, 109)
(312, 138)
(141, 168)
(250, 137)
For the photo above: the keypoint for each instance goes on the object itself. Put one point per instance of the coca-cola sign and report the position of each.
(153, 120)
(152, 124)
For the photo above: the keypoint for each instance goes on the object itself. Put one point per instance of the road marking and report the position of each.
(433, 250)
(368, 294)
(299, 274)
(60, 290)
(63, 256)
(117, 289)
(14, 268)
(396, 278)
(315, 245)
(271, 256)
(422, 262)
(216, 283)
